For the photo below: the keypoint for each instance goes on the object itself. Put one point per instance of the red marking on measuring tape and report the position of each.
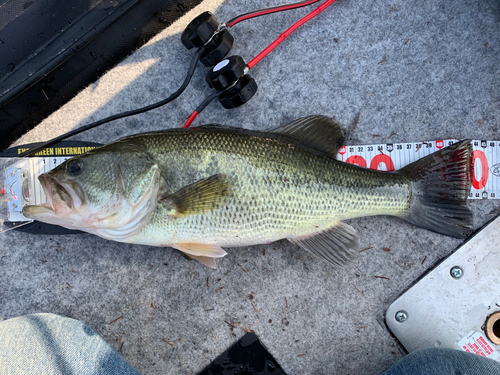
(481, 183)
(356, 159)
(382, 159)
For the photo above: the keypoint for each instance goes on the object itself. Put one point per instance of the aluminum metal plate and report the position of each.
(445, 311)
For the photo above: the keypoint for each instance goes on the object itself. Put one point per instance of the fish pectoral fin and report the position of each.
(200, 249)
(199, 197)
(336, 245)
(319, 131)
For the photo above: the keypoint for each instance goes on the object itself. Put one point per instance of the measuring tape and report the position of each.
(485, 174)
(19, 177)
(21, 185)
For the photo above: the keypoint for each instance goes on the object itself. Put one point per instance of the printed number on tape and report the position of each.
(485, 174)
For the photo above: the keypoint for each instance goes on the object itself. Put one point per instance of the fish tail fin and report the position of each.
(440, 185)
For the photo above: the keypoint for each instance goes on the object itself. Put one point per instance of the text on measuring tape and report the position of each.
(485, 161)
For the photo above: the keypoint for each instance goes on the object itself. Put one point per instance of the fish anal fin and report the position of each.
(198, 197)
(321, 132)
(336, 245)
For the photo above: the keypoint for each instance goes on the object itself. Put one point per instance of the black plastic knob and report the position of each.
(200, 30)
(241, 93)
(217, 48)
(226, 73)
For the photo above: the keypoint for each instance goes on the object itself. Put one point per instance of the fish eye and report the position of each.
(74, 167)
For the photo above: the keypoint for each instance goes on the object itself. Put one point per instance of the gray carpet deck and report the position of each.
(418, 70)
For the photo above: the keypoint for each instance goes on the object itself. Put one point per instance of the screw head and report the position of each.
(401, 316)
(456, 272)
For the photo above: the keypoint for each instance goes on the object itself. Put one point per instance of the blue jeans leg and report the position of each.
(52, 344)
(440, 361)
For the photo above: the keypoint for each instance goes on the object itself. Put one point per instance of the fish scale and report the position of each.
(288, 190)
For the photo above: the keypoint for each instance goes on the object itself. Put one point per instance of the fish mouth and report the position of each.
(62, 197)
(44, 212)
(62, 200)
(56, 194)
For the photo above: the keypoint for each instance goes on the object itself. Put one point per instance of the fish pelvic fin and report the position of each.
(321, 132)
(440, 185)
(200, 249)
(336, 245)
(198, 197)
(207, 261)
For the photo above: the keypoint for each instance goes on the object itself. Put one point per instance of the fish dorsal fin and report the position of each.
(336, 245)
(321, 132)
(201, 196)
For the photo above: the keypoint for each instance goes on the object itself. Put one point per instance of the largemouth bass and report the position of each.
(204, 189)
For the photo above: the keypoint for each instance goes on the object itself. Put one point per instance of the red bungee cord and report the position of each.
(263, 12)
(288, 32)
